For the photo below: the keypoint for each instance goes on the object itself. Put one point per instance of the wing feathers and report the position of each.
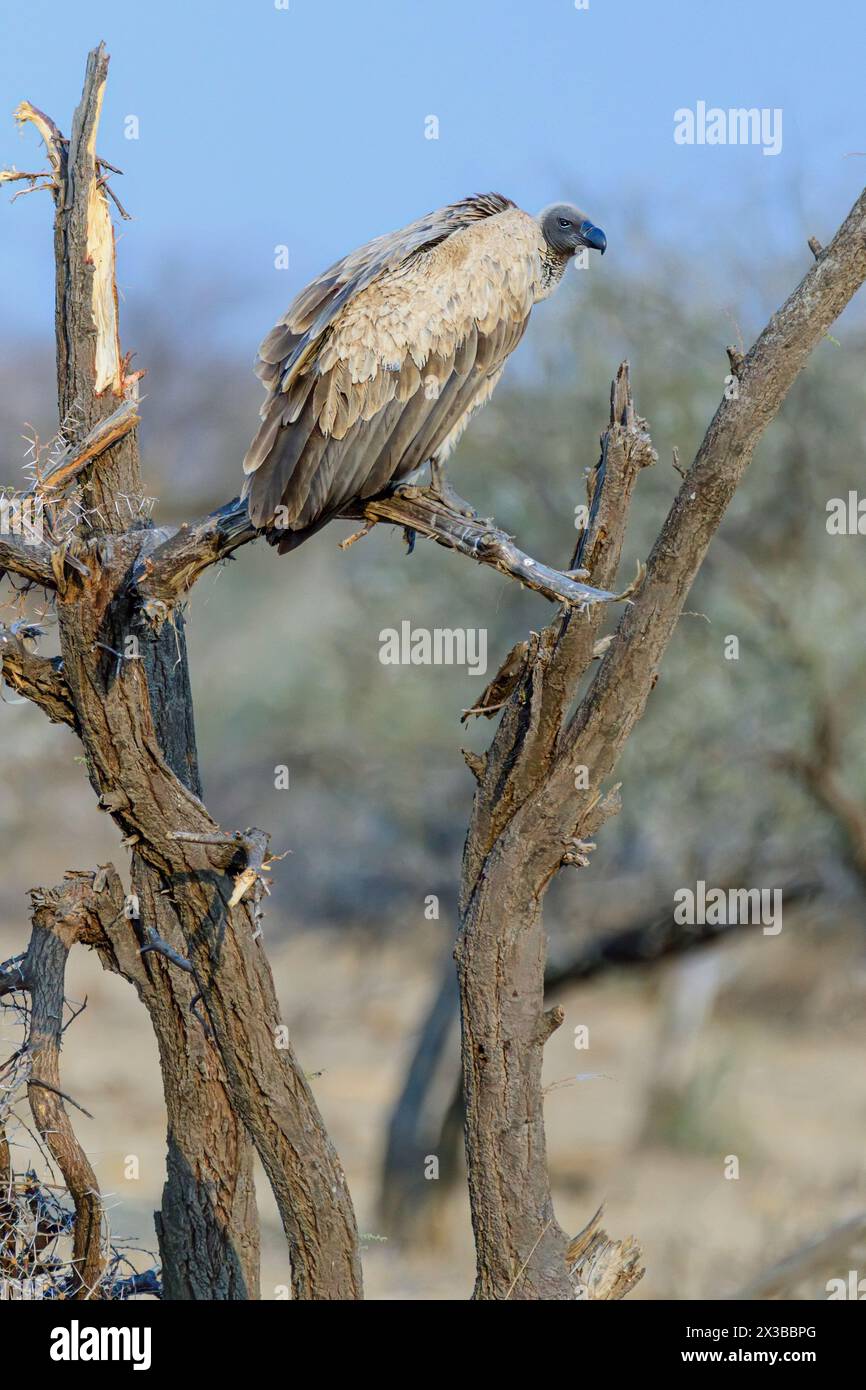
(268, 487)
(379, 363)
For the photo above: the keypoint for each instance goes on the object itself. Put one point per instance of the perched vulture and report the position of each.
(378, 365)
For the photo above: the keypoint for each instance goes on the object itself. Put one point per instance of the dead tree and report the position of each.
(84, 908)
(541, 794)
(190, 924)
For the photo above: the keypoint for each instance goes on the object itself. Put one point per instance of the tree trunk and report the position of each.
(129, 691)
(208, 1230)
(124, 688)
(541, 797)
(520, 1247)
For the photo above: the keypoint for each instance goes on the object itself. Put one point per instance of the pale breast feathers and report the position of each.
(379, 363)
(386, 336)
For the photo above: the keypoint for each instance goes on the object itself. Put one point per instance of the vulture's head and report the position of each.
(567, 230)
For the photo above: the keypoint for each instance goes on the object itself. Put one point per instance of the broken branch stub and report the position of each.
(600, 1267)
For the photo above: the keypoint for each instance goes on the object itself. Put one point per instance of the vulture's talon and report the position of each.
(441, 489)
(454, 502)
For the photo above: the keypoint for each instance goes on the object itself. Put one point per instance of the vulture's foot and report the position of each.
(441, 488)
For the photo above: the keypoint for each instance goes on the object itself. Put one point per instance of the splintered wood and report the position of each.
(603, 1268)
(108, 372)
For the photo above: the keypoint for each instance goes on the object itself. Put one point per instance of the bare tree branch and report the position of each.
(769, 369)
(57, 919)
(30, 562)
(167, 572)
(76, 458)
(530, 809)
(38, 678)
(822, 779)
(423, 511)
(172, 563)
(12, 976)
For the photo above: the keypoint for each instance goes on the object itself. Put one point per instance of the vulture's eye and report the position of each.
(564, 222)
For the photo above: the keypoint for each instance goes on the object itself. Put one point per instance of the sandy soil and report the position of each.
(777, 1080)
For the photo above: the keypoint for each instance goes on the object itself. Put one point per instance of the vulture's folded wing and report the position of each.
(379, 363)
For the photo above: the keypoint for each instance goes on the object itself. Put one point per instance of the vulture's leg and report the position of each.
(440, 485)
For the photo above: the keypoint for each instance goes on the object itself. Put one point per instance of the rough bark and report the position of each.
(197, 879)
(428, 1114)
(37, 678)
(166, 573)
(530, 818)
(207, 1223)
(57, 922)
(133, 713)
(47, 963)
(30, 562)
(208, 1230)
(501, 947)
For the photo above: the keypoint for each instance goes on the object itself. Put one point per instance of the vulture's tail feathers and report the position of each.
(290, 540)
(271, 461)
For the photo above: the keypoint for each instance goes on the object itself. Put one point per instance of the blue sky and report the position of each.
(261, 126)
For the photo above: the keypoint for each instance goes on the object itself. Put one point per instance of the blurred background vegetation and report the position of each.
(285, 671)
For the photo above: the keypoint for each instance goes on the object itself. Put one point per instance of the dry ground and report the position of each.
(778, 1081)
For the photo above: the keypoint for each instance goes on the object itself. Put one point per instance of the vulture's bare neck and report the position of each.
(553, 264)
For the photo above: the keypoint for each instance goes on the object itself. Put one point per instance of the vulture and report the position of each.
(378, 365)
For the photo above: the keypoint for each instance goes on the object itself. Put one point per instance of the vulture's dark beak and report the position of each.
(593, 237)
